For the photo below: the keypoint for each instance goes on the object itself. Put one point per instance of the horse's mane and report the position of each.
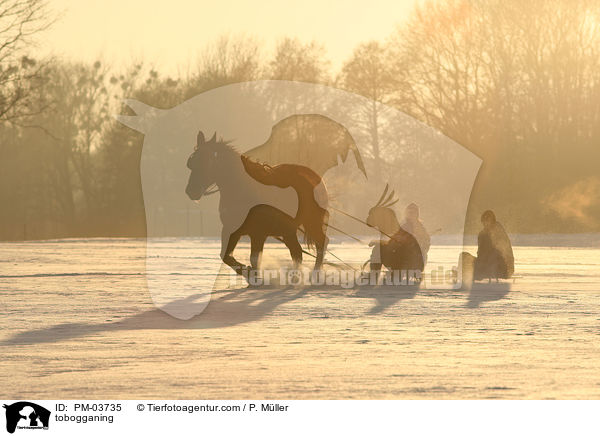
(257, 170)
(282, 175)
(221, 145)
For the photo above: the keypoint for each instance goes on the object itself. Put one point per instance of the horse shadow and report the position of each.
(386, 296)
(485, 292)
(235, 307)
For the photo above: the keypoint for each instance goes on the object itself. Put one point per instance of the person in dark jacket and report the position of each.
(495, 258)
(413, 225)
(397, 250)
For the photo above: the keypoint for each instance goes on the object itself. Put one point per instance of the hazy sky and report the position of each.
(169, 33)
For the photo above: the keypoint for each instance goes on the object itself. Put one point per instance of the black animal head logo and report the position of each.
(34, 416)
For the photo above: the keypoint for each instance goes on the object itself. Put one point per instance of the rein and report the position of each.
(358, 219)
(215, 189)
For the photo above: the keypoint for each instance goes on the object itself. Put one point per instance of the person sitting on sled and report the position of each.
(495, 258)
(413, 225)
(401, 252)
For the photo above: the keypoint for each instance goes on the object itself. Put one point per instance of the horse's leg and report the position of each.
(315, 225)
(228, 243)
(321, 242)
(291, 242)
(257, 244)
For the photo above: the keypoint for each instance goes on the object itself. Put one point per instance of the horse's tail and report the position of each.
(313, 200)
(316, 217)
(312, 195)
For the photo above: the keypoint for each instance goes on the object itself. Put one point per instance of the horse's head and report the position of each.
(381, 216)
(207, 164)
(202, 163)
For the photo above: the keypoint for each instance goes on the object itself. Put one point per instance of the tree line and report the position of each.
(517, 83)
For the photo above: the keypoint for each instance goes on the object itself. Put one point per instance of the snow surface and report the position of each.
(78, 322)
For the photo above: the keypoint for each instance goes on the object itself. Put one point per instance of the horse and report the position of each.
(402, 251)
(259, 200)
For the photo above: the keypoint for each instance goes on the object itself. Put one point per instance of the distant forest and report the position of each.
(515, 82)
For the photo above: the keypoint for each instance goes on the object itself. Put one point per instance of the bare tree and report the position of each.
(20, 75)
(230, 59)
(367, 73)
(294, 60)
(516, 82)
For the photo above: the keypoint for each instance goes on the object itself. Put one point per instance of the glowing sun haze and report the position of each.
(169, 34)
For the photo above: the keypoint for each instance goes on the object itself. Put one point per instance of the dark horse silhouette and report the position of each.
(259, 201)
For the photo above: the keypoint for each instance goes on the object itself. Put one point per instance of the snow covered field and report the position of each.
(78, 322)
